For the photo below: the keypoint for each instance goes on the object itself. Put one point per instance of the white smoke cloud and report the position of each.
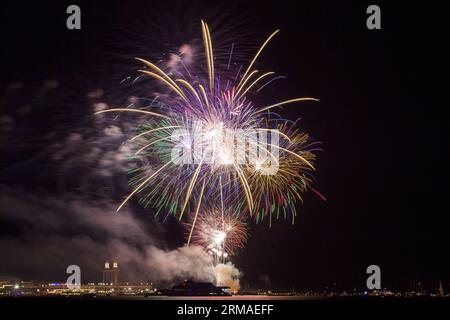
(185, 56)
(228, 275)
(48, 234)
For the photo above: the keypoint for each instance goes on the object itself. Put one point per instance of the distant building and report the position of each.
(441, 289)
(416, 286)
(191, 288)
(111, 274)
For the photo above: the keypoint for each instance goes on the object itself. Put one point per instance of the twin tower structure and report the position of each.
(111, 273)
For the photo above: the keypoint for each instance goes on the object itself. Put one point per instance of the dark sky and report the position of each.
(380, 117)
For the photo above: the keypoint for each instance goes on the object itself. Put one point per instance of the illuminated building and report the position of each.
(111, 274)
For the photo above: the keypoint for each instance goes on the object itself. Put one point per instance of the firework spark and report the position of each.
(220, 233)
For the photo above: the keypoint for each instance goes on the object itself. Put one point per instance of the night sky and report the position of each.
(384, 168)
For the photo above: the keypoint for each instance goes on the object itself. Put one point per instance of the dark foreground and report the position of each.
(234, 307)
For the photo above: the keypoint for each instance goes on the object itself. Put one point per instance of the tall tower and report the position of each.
(111, 273)
(115, 273)
(107, 273)
(441, 289)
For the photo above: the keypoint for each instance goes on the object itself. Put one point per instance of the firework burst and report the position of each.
(206, 139)
(277, 194)
(221, 233)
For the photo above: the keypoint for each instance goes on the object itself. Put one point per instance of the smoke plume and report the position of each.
(42, 235)
(228, 275)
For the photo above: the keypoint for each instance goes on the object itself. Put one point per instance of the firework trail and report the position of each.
(205, 140)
